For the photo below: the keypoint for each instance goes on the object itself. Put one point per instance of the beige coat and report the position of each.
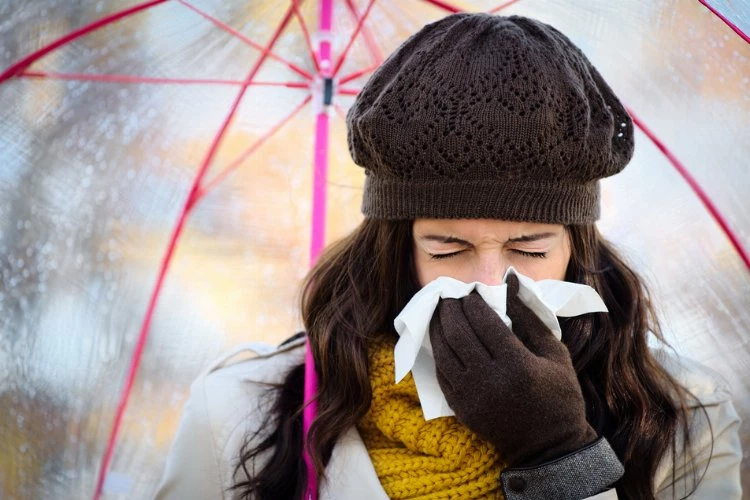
(226, 402)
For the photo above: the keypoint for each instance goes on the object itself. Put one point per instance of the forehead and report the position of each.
(478, 228)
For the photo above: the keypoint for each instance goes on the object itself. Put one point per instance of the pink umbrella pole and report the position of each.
(317, 241)
(321, 134)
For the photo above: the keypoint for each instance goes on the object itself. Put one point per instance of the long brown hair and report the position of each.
(350, 299)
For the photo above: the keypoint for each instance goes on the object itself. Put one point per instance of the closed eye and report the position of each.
(535, 255)
(438, 256)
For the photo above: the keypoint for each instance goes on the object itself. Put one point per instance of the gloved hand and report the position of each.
(516, 389)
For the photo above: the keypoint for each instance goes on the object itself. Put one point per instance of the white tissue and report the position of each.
(413, 352)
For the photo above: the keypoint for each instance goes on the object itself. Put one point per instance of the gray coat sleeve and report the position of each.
(581, 474)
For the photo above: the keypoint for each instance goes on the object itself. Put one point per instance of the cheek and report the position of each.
(551, 268)
(429, 269)
(426, 270)
(420, 268)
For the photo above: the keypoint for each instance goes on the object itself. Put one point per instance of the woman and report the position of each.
(483, 140)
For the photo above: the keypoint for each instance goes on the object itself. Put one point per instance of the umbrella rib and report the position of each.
(726, 21)
(356, 31)
(189, 204)
(308, 40)
(340, 111)
(73, 35)
(245, 39)
(356, 74)
(500, 7)
(445, 6)
(367, 34)
(697, 189)
(346, 91)
(251, 150)
(118, 78)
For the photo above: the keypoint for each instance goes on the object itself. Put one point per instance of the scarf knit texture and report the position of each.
(419, 459)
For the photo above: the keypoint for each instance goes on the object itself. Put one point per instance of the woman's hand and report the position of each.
(516, 389)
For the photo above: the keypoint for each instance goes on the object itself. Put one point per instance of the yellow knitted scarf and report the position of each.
(418, 459)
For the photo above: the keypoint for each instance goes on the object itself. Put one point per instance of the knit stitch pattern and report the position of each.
(419, 459)
(480, 116)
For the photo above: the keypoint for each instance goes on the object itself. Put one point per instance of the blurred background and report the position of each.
(95, 171)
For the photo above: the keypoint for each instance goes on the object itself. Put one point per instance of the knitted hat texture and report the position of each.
(481, 116)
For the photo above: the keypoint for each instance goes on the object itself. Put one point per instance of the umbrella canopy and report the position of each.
(166, 149)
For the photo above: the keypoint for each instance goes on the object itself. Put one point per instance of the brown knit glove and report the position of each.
(516, 389)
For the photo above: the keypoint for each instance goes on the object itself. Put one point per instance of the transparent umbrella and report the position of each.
(168, 169)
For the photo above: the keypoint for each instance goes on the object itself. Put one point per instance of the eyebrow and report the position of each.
(452, 239)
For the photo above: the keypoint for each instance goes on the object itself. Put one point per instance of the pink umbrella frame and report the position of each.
(322, 86)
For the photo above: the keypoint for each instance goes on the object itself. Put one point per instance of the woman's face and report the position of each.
(483, 249)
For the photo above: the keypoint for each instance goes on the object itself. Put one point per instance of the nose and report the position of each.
(490, 270)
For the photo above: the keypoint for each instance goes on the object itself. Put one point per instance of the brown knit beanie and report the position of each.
(480, 116)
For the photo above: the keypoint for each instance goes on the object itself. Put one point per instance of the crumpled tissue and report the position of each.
(413, 352)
